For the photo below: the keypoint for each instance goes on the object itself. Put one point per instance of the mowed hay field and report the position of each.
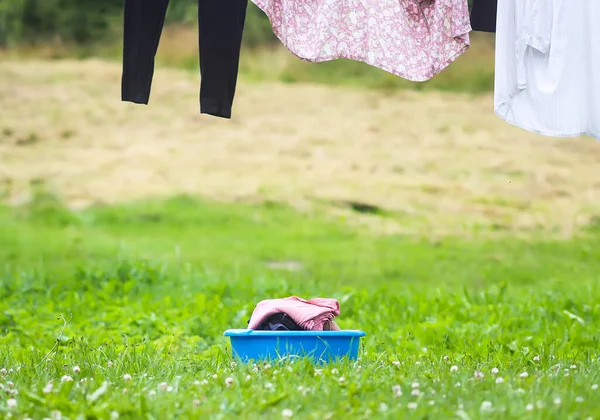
(132, 236)
(433, 163)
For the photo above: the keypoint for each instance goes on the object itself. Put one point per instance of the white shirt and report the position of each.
(548, 66)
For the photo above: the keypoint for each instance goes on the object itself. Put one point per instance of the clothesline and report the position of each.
(547, 54)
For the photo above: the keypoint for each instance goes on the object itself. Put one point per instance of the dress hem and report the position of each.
(463, 40)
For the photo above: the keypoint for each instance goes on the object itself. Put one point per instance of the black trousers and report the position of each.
(220, 25)
(483, 15)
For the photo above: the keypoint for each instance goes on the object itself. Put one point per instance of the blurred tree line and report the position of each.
(88, 21)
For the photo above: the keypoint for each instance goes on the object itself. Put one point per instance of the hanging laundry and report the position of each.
(311, 315)
(484, 15)
(414, 39)
(548, 66)
(220, 26)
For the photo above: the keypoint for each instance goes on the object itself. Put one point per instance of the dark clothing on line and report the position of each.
(483, 15)
(220, 27)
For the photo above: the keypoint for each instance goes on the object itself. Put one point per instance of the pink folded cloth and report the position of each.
(311, 315)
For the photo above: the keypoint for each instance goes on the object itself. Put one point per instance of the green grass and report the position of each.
(147, 289)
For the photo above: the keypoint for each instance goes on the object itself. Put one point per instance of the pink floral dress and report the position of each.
(414, 39)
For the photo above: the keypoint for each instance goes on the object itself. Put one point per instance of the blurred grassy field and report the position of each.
(430, 163)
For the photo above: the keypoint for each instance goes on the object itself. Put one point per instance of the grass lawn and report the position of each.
(140, 294)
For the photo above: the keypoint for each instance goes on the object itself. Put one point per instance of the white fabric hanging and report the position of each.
(548, 66)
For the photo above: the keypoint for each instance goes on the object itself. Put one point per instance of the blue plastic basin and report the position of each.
(320, 346)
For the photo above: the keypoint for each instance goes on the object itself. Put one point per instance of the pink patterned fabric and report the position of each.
(310, 315)
(413, 39)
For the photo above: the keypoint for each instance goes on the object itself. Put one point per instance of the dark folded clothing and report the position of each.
(279, 322)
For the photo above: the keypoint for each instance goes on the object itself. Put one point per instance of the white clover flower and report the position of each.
(397, 390)
(152, 393)
(383, 407)
(415, 393)
(595, 387)
(268, 385)
(536, 358)
(66, 378)
(579, 399)
(248, 377)
(573, 366)
(495, 371)
(11, 403)
(524, 375)
(48, 388)
(454, 368)
(414, 385)
(499, 380)
(76, 369)
(412, 406)
(478, 374)
(557, 401)
(163, 385)
(446, 358)
(127, 377)
(396, 363)
(486, 406)
(431, 402)
(114, 415)
(229, 382)
(529, 407)
(287, 413)
(196, 402)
